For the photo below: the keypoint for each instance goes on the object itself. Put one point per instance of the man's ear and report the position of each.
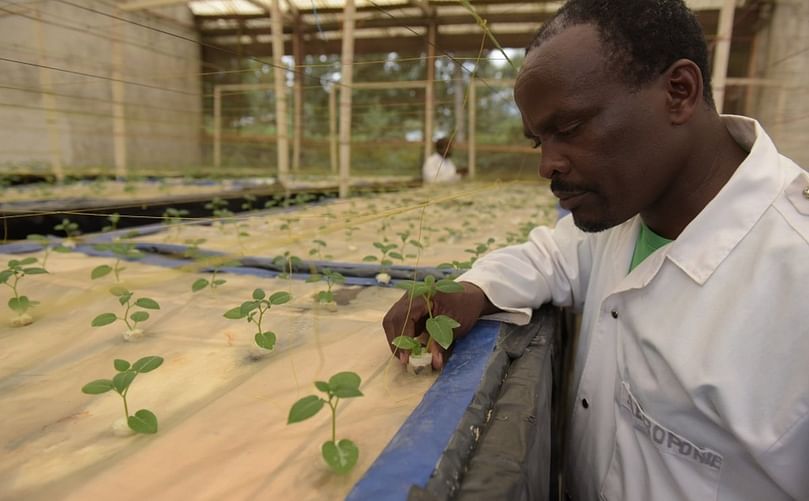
(683, 80)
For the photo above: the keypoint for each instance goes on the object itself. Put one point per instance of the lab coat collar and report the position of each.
(721, 225)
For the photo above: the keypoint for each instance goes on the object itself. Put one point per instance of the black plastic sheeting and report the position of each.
(502, 448)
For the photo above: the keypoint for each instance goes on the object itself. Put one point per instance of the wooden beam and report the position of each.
(346, 78)
(280, 80)
(148, 4)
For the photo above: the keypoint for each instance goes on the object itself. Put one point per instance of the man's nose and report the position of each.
(551, 162)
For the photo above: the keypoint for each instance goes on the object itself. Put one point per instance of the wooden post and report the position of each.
(217, 126)
(118, 111)
(49, 103)
(346, 79)
(473, 103)
(279, 77)
(722, 52)
(429, 92)
(333, 128)
(460, 120)
(297, 118)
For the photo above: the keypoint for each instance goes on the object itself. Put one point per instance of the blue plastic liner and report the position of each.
(410, 457)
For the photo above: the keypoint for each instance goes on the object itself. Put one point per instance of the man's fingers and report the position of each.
(438, 356)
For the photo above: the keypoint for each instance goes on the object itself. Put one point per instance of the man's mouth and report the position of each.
(570, 199)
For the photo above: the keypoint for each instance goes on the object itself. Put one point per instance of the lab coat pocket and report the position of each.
(651, 461)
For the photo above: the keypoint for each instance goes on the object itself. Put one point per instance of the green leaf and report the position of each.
(449, 286)
(405, 343)
(97, 387)
(122, 380)
(324, 297)
(104, 319)
(199, 284)
(139, 316)
(19, 304)
(100, 271)
(217, 283)
(396, 255)
(27, 261)
(143, 421)
(235, 313)
(305, 408)
(148, 303)
(345, 385)
(369, 258)
(266, 340)
(280, 298)
(124, 298)
(340, 457)
(121, 365)
(323, 386)
(421, 290)
(440, 329)
(147, 364)
(259, 294)
(5, 275)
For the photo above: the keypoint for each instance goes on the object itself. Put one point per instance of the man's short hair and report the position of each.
(643, 37)
(442, 144)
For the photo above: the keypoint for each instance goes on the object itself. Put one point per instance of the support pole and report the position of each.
(217, 126)
(460, 120)
(333, 128)
(473, 103)
(118, 111)
(346, 80)
(279, 76)
(297, 118)
(722, 52)
(49, 103)
(429, 92)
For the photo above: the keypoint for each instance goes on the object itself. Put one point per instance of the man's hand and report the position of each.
(407, 318)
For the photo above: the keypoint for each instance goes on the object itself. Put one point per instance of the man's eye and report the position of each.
(568, 130)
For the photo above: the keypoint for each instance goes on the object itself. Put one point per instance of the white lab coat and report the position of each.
(694, 366)
(438, 169)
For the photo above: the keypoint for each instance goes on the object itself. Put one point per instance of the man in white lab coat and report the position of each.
(439, 168)
(686, 254)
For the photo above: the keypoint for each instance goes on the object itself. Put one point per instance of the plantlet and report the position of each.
(125, 298)
(192, 247)
(439, 327)
(479, 249)
(219, 208)
(332, 278)
(202, 283)
(113, 218)
(70, 228)
(122, 250)
(249, 201)
(47, 246)
(340, 456)
(15, 270)
(287, 262)
(174, 216)
(254, 311)
(144, 420)
(405, 239)
(385, 249)
(457, 267)
(318, 247)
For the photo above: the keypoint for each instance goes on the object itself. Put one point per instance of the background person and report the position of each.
(686, 253)
(438, 168)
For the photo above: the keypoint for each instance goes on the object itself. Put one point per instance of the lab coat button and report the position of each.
(585, 403)
(614, 314)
